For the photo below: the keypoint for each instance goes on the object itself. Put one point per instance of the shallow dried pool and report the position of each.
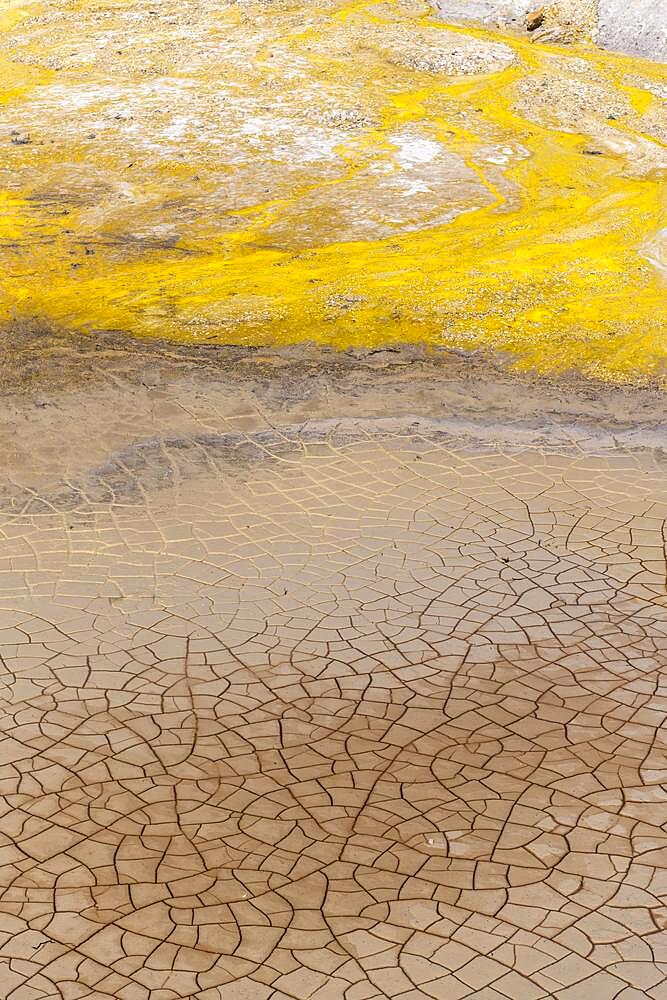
(339, 710)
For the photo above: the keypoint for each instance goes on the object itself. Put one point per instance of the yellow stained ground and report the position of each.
(353, 174)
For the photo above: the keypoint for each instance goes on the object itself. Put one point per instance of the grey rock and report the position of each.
(638, 27)
(495, 12)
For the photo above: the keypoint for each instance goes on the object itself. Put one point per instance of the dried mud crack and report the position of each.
(347, 707)
(333, 508)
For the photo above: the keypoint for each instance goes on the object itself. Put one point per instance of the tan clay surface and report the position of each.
(328, 711)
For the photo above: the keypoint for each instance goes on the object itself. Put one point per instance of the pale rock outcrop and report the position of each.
(638, 27)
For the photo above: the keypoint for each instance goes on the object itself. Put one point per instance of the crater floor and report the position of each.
(329, 671)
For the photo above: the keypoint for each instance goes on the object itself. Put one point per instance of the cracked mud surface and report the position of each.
(337, 709)
(329, 675)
